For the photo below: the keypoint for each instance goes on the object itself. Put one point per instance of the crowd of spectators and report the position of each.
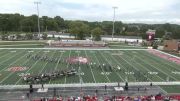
(115, 98)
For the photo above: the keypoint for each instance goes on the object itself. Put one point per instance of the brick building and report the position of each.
(172, 45)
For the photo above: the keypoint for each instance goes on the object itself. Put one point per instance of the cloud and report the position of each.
(149, 11)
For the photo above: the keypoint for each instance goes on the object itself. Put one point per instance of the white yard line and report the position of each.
(59, 60)
(163, 90)
(111, 66)
(102, 68)
(145, 62)
(9, 59)
(89, 85)
(79, 70)
(67, 67)
(4, 54)
(57, 64)
(151, 79)
(28, 70)
(33, 66)
(119, 64)
(146, 68)
(22, 41)
(149, 71)
(91, 68)
(46, 63)
(21, 45)
(160, 70)
(13, 63)
(129, 63)
(167, 53)
(171, 65)
(64, 48)
(165, 62)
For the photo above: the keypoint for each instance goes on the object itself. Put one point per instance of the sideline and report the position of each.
(88, 85)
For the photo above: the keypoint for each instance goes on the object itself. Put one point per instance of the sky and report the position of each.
(129, 11)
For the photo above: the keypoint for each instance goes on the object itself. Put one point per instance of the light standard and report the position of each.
(113, 21)
(37, 3)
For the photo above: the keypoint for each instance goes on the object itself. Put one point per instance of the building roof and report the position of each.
(173, 40)
(118, 36)
(64, 34)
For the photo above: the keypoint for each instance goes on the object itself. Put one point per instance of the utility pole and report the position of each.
(37, 3)
(113, 21)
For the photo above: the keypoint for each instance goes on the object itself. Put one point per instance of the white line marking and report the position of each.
(160, 70)
(28, 70)
(165, 62)
(46, 63)
(167, 54)
(13, 63)
(57, 64)
(163, 90)
(118, 63)
(13, 51)
(67, 67)
(4, 56)
(71, 49)
(9, 59)
(88, 85)
(79, 70)
(138, 69)
(101, 68)
(146, 68)
(91, 68)
(111, 65)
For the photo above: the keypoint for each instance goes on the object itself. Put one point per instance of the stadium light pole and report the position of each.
(114, 8)
(37, 3)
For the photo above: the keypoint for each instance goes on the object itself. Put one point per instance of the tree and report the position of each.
(59, 38)
(60, 22)
(159, 32)
(52, 24)
(44, 23)
(107, 27)
(167, 27)
(53, 36)
(29, 36)
(96, 32)
(4, 36)
(44, 36)
(18, 36)
(15, 22)
(27, 24)
(79, 29)
(118, 27)
(167, 36)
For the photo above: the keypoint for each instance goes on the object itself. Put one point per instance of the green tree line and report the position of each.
(80, 29)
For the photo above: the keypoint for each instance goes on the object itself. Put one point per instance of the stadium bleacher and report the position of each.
(115, 98)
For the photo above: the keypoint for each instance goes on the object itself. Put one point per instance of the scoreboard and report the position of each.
(150, 35)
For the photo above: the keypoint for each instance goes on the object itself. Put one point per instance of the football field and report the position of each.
(92, 66)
